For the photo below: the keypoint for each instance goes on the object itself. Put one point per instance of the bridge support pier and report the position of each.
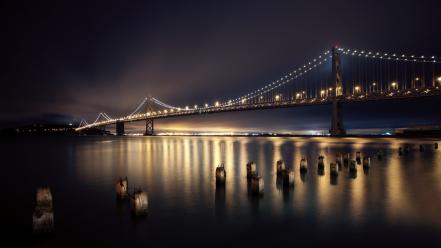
(337, 127)
(148, 127)
(119, 128)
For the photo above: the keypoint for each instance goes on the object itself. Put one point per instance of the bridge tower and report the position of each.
(337, 127)
(149, 131)
(119, 128)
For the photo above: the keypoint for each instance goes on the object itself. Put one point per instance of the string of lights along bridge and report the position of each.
(337, 76)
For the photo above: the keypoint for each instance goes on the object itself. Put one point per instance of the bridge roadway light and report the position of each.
(322, 93)
(216, 104)
(277, 97)
(394, 85)
(438, 79)
(206, 105)
(186, 108)
(195, 106)
(357, 89)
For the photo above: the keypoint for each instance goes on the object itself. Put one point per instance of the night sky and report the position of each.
(66, 60)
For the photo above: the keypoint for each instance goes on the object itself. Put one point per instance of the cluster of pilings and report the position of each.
(139, 198)
(43, 216)
(408, 149)
(255, 182)
(284, 174)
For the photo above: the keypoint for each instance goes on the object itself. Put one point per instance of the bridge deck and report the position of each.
(398, 94)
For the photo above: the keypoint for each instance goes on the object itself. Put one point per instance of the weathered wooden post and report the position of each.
(121, 188)
(321, 163)
(220, 175)
(366, 162)
(346, 159)
(288, 178)
(251, 169)
(358, 157)
(333, 169)
(353, 166)
(303, 165)
(280, 167)
(257, 185)
(140, 202)
(43, 216)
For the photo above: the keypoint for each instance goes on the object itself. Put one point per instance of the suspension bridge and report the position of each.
(335, 77)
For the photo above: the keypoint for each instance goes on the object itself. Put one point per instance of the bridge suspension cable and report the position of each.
(287, 78)
(150, 100)
(104, 115)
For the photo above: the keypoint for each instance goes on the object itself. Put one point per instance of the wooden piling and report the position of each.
(220, 174)
(140, 202)
(257, 185)
(333, 169)
(303, 165)
(121, 187)
(367, 162)
(280, 167)
(251, 169)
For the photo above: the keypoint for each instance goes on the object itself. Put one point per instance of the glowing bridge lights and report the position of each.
(394, 85)
(277, 97)
(357, 89)
(216, 104)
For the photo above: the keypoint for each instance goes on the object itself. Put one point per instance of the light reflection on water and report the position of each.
(178, 173)
(397, 200)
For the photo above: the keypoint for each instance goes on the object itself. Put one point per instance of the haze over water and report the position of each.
(397, 201)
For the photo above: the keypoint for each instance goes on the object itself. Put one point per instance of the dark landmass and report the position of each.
(429, 131)
(39, 129)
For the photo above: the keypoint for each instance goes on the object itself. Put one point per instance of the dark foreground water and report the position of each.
(397, 202)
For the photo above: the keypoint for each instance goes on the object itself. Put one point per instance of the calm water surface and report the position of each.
(396, 202)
